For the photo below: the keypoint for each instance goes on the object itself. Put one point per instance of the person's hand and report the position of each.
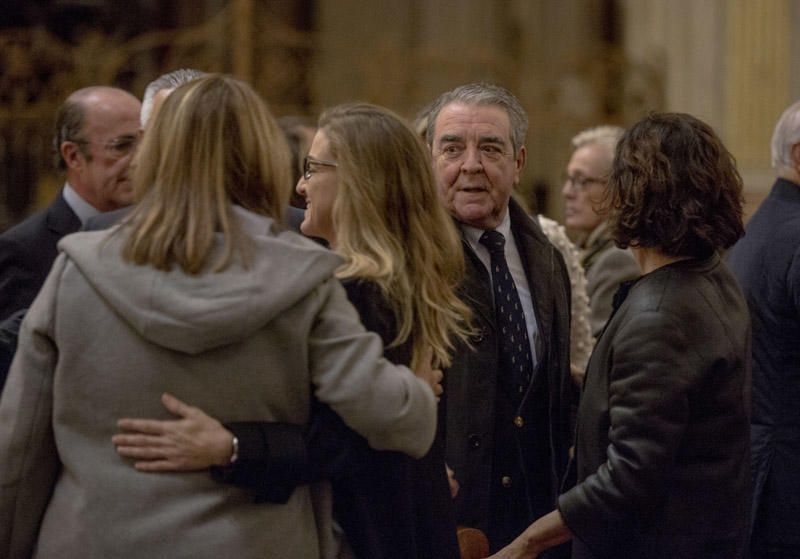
(546, 532)
(426, 371)
(451, 479)
(194, 442)
(514, 550)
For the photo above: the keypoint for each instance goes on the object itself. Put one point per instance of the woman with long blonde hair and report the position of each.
(201, 294)
(370, 193)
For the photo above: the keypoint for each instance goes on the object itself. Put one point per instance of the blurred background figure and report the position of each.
(767, 263)
(671, 372)
(584, 189)
(199, 294)
(581, 340)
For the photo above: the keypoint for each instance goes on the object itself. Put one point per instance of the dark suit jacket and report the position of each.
(27, 252)
(509, 457)
(767, 263)
(662, 448)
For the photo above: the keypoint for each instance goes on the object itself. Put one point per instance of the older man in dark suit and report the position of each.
(507, 401)
(97, 192)
(96, 131)
(767, 263)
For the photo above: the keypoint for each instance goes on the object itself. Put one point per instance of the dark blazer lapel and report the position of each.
(61, 220)
(537, 259)
(476, 290)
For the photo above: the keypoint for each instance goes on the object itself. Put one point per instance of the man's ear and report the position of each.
(519, 163)
(796, 157)
(72, 155)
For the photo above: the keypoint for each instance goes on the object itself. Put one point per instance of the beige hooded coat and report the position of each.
(105, 338)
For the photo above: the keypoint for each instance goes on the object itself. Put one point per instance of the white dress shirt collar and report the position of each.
(83, 209)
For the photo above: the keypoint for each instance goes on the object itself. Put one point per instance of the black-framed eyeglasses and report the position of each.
(118, 147)
(582, 183)
(308, 161)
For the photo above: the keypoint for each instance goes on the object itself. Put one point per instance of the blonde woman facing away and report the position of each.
(370, 193)
(199, 294)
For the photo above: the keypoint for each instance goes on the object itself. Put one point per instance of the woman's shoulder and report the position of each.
(366, 296)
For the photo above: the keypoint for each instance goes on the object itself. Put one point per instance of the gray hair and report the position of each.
(166, 81)
(786, 134)
(606, 136)
(484, 94)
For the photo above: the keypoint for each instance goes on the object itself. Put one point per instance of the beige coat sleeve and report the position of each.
(29, 462)
(386, 403)
(603, 280)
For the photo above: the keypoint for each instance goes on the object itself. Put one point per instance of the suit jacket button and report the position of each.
(474, 441)
(479, 336)
(506, 481)
(519, 422)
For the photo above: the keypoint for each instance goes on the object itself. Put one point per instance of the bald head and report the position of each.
(96, 131)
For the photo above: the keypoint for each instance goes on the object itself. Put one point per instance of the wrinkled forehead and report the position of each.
(471, 122)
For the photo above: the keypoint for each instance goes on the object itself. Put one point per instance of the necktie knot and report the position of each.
(494, 241)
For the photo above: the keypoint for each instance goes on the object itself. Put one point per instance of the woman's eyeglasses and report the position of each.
(308, 162)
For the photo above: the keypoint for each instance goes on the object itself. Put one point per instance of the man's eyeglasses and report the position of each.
(117, 148)
(582, 183)
(308, 161)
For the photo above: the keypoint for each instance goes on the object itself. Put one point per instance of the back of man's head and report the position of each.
(784, 139)
(165, 82)
(483, 94)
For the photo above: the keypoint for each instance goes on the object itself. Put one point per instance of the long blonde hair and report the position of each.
(212, 144)
(392, 229)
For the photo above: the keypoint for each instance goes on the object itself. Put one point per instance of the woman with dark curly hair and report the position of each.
(662, 451)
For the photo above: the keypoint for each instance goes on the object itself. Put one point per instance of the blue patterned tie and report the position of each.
(515, 347)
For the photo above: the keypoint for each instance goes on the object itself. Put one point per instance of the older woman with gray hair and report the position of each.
(606, 265)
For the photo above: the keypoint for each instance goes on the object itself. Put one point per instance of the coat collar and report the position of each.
(786, 190)
(61, 220)
(541, 269)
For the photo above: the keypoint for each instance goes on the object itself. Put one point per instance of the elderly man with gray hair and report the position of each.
(158, 90)
(584, 188)
(507, 399)
(767, 263)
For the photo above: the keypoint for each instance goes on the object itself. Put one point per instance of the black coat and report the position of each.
(767, 263)
(662, 448)
(390, 506)
(27, 252)
(490, 437)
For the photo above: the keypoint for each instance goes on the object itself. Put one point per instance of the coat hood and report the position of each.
(192, 314)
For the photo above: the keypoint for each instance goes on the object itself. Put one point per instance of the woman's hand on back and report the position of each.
(193, 442)
(429, 374)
